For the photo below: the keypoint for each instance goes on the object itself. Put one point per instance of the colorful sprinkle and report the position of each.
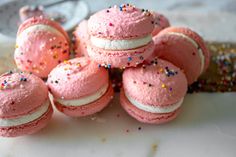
(169, 72)
(129, 59)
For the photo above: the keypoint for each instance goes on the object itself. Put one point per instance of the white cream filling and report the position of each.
(120, 44)
(34, 28)
(202, 57)
(26, 118)
(155, 109)
(85, 100)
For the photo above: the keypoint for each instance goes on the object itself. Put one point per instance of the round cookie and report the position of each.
(120, 36)
(185, 49)
(25, 107)
(41, 44)
(153, 93)
(80, 87)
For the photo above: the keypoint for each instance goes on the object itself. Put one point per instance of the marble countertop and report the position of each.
(206, 128)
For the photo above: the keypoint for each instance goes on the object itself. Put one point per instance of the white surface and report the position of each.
(205, 128)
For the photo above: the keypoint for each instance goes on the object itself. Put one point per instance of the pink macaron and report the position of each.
(41, 44)
(81, 39)
(153, 93)
(161, 22)
(120, 36)
(185, 49)
(25, 107)
(80, 87)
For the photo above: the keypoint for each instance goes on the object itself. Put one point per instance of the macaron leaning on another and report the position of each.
(81, 39)
(24, 104)
(185, 49)
(120, 36)
(41, 44)
(80, 87)
(153, 93)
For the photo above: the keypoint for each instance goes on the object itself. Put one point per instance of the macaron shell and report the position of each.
(114, 23)
(143, 116)
(197, 38)
(40, 52)
(87, 109)
(28, 128)
(152, 86)
(41, 20)
(161, 22)
(180, 52)
(22, 97)
(77, 78)
(121, 58)
(81, 39)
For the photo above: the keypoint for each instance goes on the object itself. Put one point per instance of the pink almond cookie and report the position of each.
(81, 37)
(185, 49)
(161, 22)
(153, 93)
(41, 44)
(80, 87)
(25, 107)
(120, 36)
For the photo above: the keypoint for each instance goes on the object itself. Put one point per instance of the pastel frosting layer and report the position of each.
(158, 84)
(155, 109)
(76, 78)
(21, 94)
(146, 117)
(86, 99)
(109, 44)
(26, 118)
(121, 22)
(88, 109)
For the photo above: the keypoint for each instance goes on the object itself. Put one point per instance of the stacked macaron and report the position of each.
(185, 49)
(24, 104)
(120, 36)
(80, 87)
(41, 44)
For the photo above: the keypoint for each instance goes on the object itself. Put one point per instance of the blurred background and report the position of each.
(214, 20)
